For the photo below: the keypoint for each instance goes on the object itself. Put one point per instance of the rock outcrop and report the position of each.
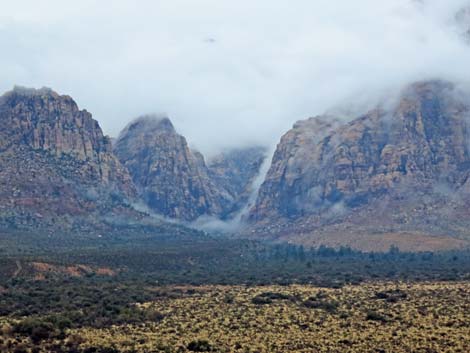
(171, 179)
(56, 164)
(235, 172)
(327, 172)
(281, 193)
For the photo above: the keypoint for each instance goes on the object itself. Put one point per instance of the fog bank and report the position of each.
(229, 73)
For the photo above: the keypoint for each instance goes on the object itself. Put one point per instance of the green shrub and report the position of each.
(375, 316)
(199, 346)
(328, 306)
(260, 300)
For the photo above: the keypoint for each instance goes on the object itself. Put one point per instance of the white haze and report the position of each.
(214, 224)
(228, 73)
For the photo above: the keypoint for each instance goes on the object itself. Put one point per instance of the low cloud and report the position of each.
(229, 73)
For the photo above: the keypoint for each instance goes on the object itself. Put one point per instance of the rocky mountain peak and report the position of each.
(55, 160)
(31, 91)
(44, 97)
(172, 180)
(150, 125)
(389, 153)
(43, 119)
(175, 181)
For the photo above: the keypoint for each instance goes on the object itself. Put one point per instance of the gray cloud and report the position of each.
(228, 73)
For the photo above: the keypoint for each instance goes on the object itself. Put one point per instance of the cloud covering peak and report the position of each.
(229, 73)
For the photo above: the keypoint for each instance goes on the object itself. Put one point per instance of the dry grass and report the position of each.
(375, 317)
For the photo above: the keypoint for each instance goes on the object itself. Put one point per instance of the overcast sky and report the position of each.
(227, 73)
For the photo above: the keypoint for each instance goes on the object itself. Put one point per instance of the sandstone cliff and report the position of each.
(387, 168)
(56, 165)
(171, 179)
(235, 171)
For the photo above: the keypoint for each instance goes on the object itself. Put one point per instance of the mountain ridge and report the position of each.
(325, 184)
(57, 165)
(390, 174)
(174, 180)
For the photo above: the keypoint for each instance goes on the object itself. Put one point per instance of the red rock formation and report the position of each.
(56, 162)
(380, 168)
(172, 180)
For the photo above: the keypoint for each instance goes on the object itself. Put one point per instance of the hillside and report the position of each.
(384, 177)
(58, 169)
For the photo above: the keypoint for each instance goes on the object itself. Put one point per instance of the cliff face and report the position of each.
(282, 191)
(55, 160)
(235, 172)
(43, 120)
(387, 154)
(172, 180)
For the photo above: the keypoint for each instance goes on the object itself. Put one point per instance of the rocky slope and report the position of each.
(57, 167)
(235, 171)
(171, 179)
(404, 169)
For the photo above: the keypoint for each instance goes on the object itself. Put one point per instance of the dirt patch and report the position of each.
(41, 269)
(103, 271)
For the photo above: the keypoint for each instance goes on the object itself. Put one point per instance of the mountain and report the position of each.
(392, 172)
(235, 171)
(59, 170)
(277, 195)
(57, 167)
(171, 179)
(397, 175)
